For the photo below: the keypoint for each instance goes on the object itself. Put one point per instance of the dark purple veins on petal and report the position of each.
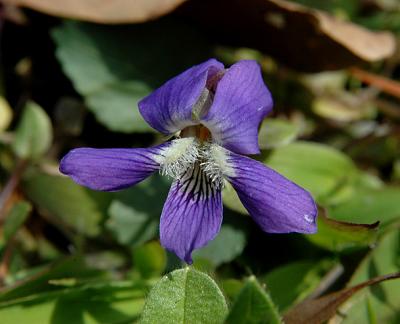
(192, 214)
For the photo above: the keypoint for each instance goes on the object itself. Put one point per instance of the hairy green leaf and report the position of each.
(185, 296)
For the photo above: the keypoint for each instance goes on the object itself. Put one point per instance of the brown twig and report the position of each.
(384, 84)
(10, 187)
(5, 262)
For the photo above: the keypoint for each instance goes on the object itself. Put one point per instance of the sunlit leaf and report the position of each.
(6, 114)
(369, 206)
(150, 259)
(231, 200)
(34, 133)
(321, 169)
(338, 236)
(276, 132)
(343, 107)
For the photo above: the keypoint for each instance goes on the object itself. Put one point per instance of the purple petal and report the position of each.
(241, 102)
(275, 203)
(110, 169)
(169, 108)
(192, 215)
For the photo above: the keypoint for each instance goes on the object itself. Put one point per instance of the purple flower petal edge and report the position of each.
(275, 203)
(169, 108)
(190, 219)
(240, 103)
(110, 169)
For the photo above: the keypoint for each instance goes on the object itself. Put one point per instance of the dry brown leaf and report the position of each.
(316, 311)
(304, 38)
(12, 13)
(102, 11)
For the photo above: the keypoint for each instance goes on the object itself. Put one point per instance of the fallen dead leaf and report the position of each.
(304, 38)
(315, 311)
(102, 11)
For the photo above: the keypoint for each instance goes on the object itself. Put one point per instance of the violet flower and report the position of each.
(215, 114)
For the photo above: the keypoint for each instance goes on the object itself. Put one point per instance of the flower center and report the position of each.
(200, 132)
(196, 155)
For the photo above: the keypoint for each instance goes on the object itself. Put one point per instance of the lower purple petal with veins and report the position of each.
(191, 216)
(110, 169)
(275, 203)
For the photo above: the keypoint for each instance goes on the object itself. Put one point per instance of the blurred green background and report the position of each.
(71, 74)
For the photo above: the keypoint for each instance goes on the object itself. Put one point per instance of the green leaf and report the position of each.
(369, 205)
(109, 304)
(34, 133)
(6, 113)
(115, 67)
(135, 213)
(227, 245)
(346, 109)
(69, 292)
(185, 296)
(150, 259)
(381, 300)
(253, 306)
(69, 268)
(66, 202)
(291, 283)
(15, 218)
(231, 288)
(276, 132)
(340, 236)
(231, 199)
(324, 171)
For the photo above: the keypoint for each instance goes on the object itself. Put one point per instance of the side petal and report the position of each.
(169, 108)
(275, 203)
(241, 102)
(192, 214)
(110, 169)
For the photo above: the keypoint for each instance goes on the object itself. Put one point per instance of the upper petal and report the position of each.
(192, 214)
(169, 108)
(110, 169)
(240, 103)
(275, 203)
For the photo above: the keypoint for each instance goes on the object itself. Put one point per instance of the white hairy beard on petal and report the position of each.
(184, 155)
